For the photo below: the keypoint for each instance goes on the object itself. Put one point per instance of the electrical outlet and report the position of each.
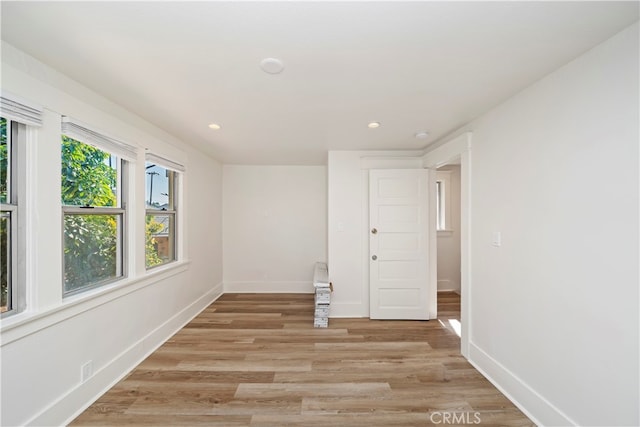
(86, 371)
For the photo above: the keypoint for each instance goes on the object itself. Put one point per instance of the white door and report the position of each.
(399, 244)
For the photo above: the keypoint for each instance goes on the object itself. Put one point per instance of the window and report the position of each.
(9, 215)
(443, 200)
(94, 184)
(440, 199)
(160, 230)
(19, 118)
(94, 216)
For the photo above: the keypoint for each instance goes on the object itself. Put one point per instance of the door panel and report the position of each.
(399, 244)
(398, 270)
(400, 299)
(407, 242)
(398, 187)
(398, 215)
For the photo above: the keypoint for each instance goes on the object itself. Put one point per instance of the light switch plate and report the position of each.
(496, 239)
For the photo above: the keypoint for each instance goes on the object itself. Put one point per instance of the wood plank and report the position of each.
(386, 404)
(275, 390)
(345, 419)
(256, 360)
(110, 420)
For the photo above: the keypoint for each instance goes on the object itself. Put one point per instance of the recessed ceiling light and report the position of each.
(423, 134)
(271, 65)
(214, 126)
(373, 125)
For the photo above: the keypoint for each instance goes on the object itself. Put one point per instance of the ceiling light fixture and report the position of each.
(214, 126)
(373, 125)
(423, 134)
(271, 65)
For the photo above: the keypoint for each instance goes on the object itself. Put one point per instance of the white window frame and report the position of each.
(176, 170)
(443, 201)
(16, 140)
(22, 118)
(124, 154)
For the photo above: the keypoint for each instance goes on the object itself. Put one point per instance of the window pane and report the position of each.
(91, 249)
(89, 175)
(160, 242)
(5, 256)
(159, 187)
(439, 216)
(4, 162)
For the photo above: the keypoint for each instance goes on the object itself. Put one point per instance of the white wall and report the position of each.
(115, 326)
(348, 174)
(449, 239)
(275, 227)
(554, 310)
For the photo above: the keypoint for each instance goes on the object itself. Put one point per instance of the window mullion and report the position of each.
(14, 259)
(120, 246)
(75, 210)
(159, 212)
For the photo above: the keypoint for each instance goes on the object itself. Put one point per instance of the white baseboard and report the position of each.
(446, 285)
(75, 401)
(348, 309)
(516, 390)
(293, 287)
(336, 309)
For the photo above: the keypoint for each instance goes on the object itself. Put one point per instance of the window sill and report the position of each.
(28, 322)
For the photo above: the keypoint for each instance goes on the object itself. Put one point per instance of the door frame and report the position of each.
(459, 146)
(377, 160)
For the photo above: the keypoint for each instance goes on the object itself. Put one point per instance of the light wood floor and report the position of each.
(256, 360)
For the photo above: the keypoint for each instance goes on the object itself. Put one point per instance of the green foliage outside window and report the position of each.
(87, 178)
(90, 241)
(151, 253)
(90, 246)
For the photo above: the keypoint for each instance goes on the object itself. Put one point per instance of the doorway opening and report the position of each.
(457, 151)
(448, 247)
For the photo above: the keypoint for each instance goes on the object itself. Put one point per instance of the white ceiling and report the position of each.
(410, 65)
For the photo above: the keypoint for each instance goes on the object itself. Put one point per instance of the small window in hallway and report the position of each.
(440, 206)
